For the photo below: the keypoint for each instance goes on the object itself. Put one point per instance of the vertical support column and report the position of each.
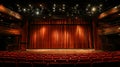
(24, 36)
(96, 39)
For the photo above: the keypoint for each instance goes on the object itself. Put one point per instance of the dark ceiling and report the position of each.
(59, 8)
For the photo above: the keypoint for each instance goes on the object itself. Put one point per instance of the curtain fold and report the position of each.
(60, 34)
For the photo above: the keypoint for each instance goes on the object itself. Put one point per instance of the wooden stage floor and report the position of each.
(62, 51)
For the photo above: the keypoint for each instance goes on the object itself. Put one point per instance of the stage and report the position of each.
(62, 51)
(60, 56)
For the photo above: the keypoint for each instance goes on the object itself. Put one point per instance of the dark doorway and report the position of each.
(111, 42)
(7, 41)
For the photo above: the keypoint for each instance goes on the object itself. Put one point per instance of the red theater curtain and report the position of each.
(63, 36)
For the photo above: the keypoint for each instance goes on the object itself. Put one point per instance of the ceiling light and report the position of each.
(18, 5)
(71, 14)
(60, 9)
(44, 17)
(54, 8)
(37, 12)
(93, 9)
(101, 5)
(115, 7)
(50, 15)
(63, 4)
(30, 5)
(63, 7)
(63, 10)
(89, 5)
(119, 28)
(10, 18)
(54, 5)
(1, 20)
(40, 5)
(24, 9)
(86, 9)
(77, 5)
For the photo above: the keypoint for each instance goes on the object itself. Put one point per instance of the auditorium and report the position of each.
(51, 33)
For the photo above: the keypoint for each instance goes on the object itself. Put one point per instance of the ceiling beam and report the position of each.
(109, 12)
(10, 12)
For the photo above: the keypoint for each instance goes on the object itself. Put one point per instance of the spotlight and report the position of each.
(37, 12)
(89, 5)
(119, 28)
(93, 9)
(77, 5)
(40, 5)
(24, 10)
(54, 5)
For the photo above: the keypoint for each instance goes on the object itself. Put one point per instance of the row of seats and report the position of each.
(28, 64)
(97, 57)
